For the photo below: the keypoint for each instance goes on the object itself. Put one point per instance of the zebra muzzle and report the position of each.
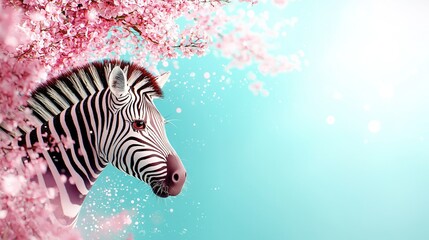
(174, 181)
(176, 175)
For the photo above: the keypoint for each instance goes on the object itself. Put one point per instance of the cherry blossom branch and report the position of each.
(39, 39)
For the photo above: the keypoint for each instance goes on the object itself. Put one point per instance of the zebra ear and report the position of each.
(118, 82)
(162, 79)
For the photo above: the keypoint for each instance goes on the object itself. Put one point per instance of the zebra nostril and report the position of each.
(175, 177)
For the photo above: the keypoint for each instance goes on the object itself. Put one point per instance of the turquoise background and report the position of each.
(272, 167)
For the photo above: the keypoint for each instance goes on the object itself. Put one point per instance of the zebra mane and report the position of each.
(61, 92)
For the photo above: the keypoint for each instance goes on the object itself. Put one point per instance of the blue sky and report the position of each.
(338, 150)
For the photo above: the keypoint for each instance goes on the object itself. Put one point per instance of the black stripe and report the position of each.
(144, 168)
(43, 106)
(87, 117)
(155, 174)
(52, 100)
(103, 79)
(59, 162)
(87, 143)
(61, 93)
(76, 146)
(60, 131)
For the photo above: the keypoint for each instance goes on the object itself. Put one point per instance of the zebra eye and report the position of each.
(139, 125)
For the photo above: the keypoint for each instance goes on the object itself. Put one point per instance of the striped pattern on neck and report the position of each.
(106, 108)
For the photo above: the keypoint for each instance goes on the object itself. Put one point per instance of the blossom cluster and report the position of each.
(41, 38)
(63, 33)
(245, 45)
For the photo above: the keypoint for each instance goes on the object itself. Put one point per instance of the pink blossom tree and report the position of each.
(39, 39)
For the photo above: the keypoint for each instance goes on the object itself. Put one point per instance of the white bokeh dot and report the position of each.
(178, 110)
(330, 120)
(3, 214)
(374, 126)
(206, 75)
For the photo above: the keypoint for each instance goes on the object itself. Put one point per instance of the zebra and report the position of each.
(107, 109)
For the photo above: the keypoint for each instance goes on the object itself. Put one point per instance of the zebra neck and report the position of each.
(72, 168)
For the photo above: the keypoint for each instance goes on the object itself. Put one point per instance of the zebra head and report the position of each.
(135, 137)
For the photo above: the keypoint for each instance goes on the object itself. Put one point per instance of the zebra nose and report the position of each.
(176, 175)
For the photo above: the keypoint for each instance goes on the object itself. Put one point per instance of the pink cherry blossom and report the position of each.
(40, 38)
(258, 88)
(67, 142)
(116, 222)
(281, 3)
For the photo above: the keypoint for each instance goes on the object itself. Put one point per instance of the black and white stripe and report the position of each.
(96, 106)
